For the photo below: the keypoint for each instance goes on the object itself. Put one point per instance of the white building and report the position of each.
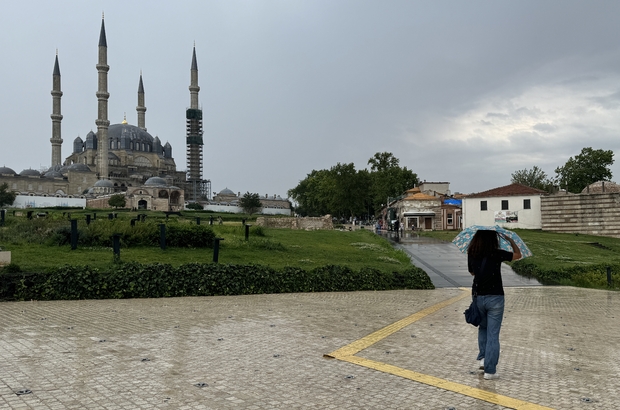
(513, 206)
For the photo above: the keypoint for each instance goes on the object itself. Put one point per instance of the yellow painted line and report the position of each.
(348, 352)
(371, 339)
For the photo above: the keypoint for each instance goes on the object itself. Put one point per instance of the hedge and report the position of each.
(135, 280)
(585, 275)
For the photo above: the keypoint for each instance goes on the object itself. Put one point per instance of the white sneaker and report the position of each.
(481, 364)
(491, 376)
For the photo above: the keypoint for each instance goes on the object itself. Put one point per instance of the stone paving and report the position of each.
(559, 350)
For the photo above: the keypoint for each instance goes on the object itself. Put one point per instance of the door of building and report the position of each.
(428, 223)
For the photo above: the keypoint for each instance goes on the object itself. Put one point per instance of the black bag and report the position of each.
(472, 314)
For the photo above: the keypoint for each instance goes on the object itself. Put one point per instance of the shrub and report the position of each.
(135, 280)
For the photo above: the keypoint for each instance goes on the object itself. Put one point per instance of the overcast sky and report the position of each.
(465, 92)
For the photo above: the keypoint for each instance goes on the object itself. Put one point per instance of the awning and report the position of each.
(422, 213)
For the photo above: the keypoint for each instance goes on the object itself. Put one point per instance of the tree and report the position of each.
(6, 197)
(586, 168)
(534, 178)
(388, 179)
(250, 203)
(117, 201)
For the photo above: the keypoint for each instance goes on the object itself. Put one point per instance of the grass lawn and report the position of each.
(272, 247)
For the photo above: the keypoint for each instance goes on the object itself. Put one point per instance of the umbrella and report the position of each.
(464, 238)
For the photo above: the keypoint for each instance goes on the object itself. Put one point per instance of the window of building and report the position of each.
(504, 204)
(450, 219)
(527, 204)
(483, 205)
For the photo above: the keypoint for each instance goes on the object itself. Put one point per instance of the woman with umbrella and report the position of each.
(484, 260)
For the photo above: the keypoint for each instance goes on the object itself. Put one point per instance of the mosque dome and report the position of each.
(63, 170)
(226, 191)
(129, 131)
(52, 174)
(106, 183)
(30, 173)
(7, 170)
(79, 168)
(155, 181)
(601, 187)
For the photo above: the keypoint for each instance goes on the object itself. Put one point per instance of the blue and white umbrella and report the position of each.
(464, 238)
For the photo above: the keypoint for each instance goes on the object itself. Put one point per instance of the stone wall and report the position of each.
(307, 223)
(593, 214)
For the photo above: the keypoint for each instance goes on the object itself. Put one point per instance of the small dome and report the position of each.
(226, 191)
(601, 187)
(30, 173)
(63, 170)
(155, 181)
(91, 135)
(7, 170)
(78, 168)
(78, 139)
(104, 183)
(52, 174)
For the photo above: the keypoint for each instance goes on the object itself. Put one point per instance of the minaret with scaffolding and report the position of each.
(198, 187)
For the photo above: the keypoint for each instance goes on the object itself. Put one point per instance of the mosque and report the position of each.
(125, 158)
(119, 157)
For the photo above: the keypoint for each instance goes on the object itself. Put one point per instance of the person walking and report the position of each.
(484, 260)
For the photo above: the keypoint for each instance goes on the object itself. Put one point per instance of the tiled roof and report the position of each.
(420, 197)
(508, 190)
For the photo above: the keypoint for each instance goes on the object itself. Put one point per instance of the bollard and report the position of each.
(142, 217)
(74, 234)
(210, 220)
(133, 222)
(609, 276)
(247, 232)
(116, 247)
(29, 215)
(162, 236)
(115, 215)
(2, 213)
(243, 222)
(216, 249)
(94, 216)
(198, 221)
(87, 219)
(110, 216)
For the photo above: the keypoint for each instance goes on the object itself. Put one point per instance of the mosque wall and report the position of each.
(306, 223)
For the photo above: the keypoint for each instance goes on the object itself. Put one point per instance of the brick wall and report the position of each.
(307, 223)
(594, 214)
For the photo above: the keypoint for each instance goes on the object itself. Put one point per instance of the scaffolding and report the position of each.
(199, 188)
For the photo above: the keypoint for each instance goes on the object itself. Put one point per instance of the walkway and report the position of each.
(408, 349)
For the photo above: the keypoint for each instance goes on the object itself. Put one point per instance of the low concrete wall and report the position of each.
(5, 258)
(307, 223)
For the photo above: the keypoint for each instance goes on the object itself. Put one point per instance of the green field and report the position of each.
(31, 251)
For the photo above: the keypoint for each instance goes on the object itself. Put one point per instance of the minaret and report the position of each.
(194, 135)
(141, 108)
(102, 105)
(56, 116)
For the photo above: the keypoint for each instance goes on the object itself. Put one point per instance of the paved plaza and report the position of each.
(407, 349)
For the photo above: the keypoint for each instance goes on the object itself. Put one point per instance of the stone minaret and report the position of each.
(102, 106)
(56, 116)
(141, 108)
(194, 135)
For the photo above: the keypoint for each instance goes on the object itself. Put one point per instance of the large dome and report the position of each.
(131, 131)
(79, 168)
(155, 181)
(226, 191)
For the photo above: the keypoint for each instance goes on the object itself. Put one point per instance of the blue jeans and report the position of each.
(492, 310)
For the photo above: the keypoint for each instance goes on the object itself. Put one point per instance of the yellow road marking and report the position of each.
(348, 352)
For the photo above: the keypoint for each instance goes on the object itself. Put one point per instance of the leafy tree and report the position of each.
(6, 197)
(586, 168)
(250, 203)
(534, 178)
(313, 194)
(388, 179)
(117, 201)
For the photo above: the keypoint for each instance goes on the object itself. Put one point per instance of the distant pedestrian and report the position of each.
(484, 260)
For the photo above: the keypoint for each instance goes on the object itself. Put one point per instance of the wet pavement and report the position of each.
(407, 349)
